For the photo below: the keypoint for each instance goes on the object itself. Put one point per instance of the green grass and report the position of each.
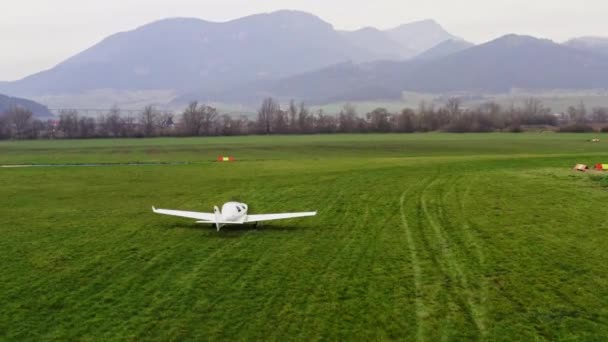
(418, 237)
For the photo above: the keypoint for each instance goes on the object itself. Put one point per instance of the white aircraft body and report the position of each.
(231, 213)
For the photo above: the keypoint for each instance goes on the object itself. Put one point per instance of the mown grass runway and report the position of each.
(419, 237)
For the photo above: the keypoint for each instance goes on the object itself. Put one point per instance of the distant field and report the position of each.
(419, 237)
(558, 102)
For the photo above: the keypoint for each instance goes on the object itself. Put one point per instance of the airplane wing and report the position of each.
(210, 217)
(274, 217)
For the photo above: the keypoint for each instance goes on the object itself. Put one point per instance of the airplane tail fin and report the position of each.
(218, 218)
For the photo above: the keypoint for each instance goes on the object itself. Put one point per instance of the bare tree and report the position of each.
(578, 114)
(165, 123)
(347, 119)
(227, 125)
(233, 126)
(533, 106)
(494, 111)
(68, 123)
(5, 132)
(280, 122)
(210, 117)
(266, 115)
(293, 117)
(405, 122)
(129, 126)
(428, 120)
(453, 106)
(192, 120)
(86, 127)
(325, 123)
(600, 114)
(582, 110)
(19, 120)
(305, 120)
(379, 120)
(149, 121)
(38, 127)
(490, 108)
(242, 124)
(111, 124)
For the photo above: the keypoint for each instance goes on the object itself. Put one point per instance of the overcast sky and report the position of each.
(37, 34)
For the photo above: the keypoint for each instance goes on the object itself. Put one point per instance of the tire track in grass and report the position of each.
(421, 308)
(466, 246)
(450, 263)
(441, 298)
(416, 268)
(478, 251)
(451, 217)
(452, 266)
(433, 299)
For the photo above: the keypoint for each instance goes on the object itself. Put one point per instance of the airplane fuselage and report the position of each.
(233, 212)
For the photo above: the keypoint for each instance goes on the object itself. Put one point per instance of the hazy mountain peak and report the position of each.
(379, 43)
(419, 23)
(420, 35)
(367, 29)
(593, 44)
(517, 39)
(174, 21)
(288, 13)
(168, 26)
(445, 48)
(285, 18)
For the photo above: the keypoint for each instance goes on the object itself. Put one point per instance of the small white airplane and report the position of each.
(231, 213)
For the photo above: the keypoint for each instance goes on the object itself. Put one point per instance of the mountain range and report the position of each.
(7, 102)
(193, 54)
(292, 54)
(498, 66)
(402, 42)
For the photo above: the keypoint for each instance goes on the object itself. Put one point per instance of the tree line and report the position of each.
(203, 120)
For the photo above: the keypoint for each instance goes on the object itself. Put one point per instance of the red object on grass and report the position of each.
(225, 159)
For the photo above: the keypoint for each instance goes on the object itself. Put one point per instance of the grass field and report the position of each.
(419, 237)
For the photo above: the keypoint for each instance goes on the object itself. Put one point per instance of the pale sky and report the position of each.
(37, 34)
